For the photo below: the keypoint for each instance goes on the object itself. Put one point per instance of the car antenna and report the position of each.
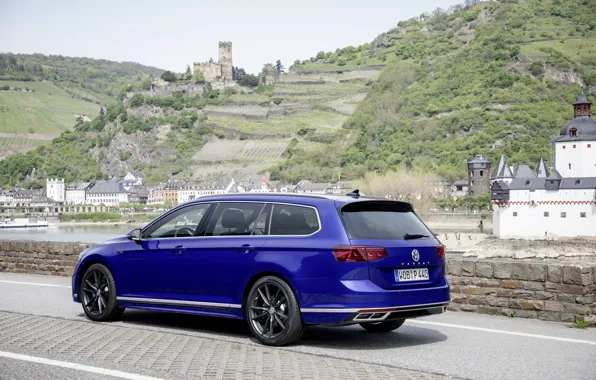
(354, 193)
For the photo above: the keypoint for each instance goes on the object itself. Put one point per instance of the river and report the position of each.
(86, 233)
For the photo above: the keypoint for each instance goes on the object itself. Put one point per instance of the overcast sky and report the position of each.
(171, 34)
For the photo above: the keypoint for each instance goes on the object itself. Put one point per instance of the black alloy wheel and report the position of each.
(273, 313)
(382, 327)
(98, 294)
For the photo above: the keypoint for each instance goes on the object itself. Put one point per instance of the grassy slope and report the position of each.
(463, 87)
(47, 110)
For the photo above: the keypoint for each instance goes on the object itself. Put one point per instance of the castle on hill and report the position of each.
(219, 72)
(557, 203)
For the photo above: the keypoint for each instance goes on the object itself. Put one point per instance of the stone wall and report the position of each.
(552, 291)
(57, 259)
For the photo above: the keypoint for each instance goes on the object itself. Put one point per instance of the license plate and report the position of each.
(417, 274)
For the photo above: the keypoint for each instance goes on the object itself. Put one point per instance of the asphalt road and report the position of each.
(461, 345)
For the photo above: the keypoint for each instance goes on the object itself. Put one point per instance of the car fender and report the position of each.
(268, 268)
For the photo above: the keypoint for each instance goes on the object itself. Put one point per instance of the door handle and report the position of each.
(246, 248)
(178, 249)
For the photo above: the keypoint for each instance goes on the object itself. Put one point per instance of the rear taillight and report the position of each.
(359, 253)
(441, 251)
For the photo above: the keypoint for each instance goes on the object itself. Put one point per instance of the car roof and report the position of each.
(293, 197)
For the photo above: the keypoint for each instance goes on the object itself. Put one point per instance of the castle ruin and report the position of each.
(220, 72)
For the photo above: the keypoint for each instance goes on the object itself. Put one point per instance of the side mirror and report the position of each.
(135, 235)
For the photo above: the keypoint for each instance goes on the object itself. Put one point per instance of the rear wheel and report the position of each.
(381, 327)
(98, 291)
(273, 313)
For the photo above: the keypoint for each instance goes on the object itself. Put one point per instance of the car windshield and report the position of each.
(383, 221)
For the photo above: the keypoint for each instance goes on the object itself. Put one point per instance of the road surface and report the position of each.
(44, 335)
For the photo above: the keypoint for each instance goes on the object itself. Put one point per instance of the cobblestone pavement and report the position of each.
(134, 347)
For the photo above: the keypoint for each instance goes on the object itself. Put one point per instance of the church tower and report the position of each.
(576, 145)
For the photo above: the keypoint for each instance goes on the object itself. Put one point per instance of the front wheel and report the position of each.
(382, 327)
(98, 291)
(272, 312)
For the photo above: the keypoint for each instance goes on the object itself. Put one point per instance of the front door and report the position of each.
(155, 268)
(222, 258)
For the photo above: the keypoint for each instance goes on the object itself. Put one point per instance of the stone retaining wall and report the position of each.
(57, 259)
(553, 291)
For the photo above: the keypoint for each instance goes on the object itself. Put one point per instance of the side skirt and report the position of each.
(182, 310)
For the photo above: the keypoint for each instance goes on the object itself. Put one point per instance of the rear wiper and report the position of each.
(414, 236)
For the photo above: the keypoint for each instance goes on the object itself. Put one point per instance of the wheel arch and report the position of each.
(85, 265)
(256, 277)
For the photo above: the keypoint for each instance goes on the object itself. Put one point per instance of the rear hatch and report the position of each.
(412, 257)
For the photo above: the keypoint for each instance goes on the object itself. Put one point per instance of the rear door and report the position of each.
(222, 257)
(415, 258)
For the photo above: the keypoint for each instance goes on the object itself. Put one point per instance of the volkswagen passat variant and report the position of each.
(279, 261)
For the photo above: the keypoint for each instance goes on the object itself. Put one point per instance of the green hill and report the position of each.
(497, 77)
(41, 96)
(492, 78)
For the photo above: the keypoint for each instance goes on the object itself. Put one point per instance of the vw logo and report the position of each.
(415, 255)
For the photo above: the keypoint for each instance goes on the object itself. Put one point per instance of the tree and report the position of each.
(198, 76)
(279, 66)
(146, 83)
(320, 55)
(168, 76)
(188, 74)
(249, 80)
(341, 61)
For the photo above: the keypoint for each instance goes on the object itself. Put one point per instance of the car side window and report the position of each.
(293, 220)
(234, 218)
(180, 223)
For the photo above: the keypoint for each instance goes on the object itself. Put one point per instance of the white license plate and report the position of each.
(414, 274)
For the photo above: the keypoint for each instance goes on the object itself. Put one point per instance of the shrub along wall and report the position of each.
(553, 291)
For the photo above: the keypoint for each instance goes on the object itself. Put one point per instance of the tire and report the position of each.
(382, 327)
(266, 325)
(107, 308)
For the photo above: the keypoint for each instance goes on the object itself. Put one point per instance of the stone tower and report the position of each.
(225, 60)
(479, 175)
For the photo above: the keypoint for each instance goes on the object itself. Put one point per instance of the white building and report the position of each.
(558, 204)
(132, 179)
(195, 190)
(76, 193)
(55, 189)
(107, 194)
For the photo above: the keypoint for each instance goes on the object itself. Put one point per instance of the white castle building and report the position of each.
(561, 203)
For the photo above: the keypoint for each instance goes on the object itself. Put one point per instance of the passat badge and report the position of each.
(415, 255)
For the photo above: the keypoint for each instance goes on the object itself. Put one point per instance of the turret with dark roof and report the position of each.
(582, 127)
(541, 170)
(502, 170)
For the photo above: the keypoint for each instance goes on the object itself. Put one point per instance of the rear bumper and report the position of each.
(373, 304)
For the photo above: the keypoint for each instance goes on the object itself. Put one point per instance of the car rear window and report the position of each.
(382, 220)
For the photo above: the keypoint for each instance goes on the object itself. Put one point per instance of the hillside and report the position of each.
(41, 96)
(494, 78)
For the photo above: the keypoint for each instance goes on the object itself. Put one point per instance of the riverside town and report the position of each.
(381, 190)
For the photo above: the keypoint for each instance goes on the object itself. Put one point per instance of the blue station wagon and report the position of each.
(279, 261)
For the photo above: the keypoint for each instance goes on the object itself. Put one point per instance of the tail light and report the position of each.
(441, 251)
(359, 253)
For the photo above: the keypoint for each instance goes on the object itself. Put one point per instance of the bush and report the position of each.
(5, 88)
(536, 69)
(198, 76)
(93, 217)
(137, 100)
(250, 80)
(341, 61)
(469, 16)
(169, 76)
